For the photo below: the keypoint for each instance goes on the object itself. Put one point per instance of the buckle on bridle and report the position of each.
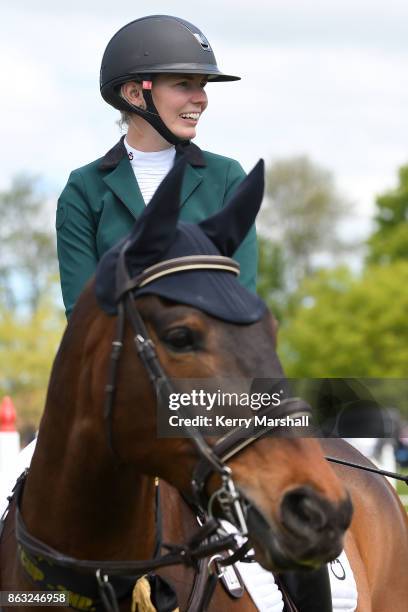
(215, 568)
(106, 592)
(231, 503)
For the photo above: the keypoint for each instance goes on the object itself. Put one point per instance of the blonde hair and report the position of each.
(124, 120)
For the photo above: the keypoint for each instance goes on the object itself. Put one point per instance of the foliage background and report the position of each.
(31, 322)
(337, 319)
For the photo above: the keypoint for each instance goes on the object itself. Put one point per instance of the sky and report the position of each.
(325, 79)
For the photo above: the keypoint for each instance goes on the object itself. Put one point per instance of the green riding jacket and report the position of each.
(102, 200)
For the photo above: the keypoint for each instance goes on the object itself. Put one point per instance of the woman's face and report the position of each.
(180, 101)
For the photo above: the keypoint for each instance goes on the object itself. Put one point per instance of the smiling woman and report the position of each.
(154, 70)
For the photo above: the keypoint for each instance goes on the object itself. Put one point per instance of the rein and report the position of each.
(188, 554)
(369, 469)
(97, 584)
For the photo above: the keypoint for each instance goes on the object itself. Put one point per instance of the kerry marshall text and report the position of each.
(252, 421)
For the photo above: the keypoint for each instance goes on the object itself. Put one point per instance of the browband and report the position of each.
(180, 264)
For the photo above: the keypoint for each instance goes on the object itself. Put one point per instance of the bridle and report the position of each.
(210, 539)
(211, 458)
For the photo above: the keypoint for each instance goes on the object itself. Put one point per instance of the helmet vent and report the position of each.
(203, 41)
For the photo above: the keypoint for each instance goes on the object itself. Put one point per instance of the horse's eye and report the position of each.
(181, 339)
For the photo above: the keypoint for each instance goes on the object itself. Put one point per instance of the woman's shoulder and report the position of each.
(92, 168)
(100, 166)
(223, 168)
(85, 181)
(220, 160)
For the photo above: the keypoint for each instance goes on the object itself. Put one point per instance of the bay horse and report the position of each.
(91, 491)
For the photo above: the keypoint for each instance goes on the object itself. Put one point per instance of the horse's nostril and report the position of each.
(303, 511)
(311, 511)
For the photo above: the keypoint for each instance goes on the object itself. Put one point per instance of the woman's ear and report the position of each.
(132, 92)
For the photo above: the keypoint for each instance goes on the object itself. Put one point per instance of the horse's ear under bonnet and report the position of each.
(158, 236)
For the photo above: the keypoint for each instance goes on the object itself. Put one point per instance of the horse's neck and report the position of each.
(90, 508)
(80, 500)
(77, 498)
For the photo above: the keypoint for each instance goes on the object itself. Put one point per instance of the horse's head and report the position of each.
(205, 326)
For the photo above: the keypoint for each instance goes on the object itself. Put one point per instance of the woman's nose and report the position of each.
(198, 96)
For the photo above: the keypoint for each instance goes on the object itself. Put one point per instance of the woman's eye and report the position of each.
(180, 339)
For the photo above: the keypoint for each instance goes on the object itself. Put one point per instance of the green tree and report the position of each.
(341, 325)
(301, 214)
(28, 345)
(28, 250)
(389, 242)
(271, 284)
(30, 320)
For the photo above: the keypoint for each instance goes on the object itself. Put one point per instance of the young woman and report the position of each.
(154, 70)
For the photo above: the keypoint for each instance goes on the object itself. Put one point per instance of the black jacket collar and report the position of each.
(112, 158)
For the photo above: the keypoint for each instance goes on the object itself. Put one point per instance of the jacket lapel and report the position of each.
(192, 179)
(123, 183)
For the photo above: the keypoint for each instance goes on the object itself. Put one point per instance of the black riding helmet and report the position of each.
(153, 45)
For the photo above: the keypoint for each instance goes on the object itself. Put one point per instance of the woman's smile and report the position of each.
(191, 116)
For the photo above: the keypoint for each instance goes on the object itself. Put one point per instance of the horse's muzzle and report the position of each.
(310, 531)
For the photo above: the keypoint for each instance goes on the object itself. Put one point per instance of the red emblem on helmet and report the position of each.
(147, 84)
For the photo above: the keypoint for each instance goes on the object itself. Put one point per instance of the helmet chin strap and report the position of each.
(151, 115)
